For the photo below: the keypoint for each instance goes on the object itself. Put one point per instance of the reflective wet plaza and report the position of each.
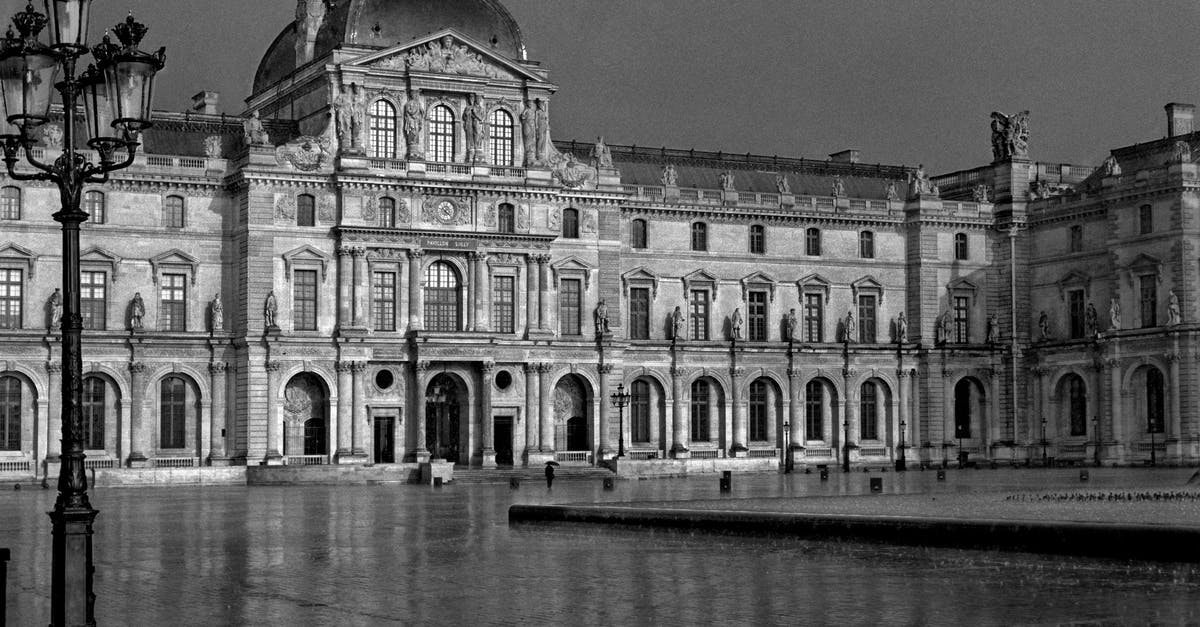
(392, 554)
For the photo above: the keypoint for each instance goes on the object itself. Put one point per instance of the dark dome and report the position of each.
(399, 21)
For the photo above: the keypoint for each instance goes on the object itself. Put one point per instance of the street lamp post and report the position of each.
(787, 447)
(620, 399)
(1044, 442)
(1153, 445)
(116, 94)
(1096, 429)
(846, 446)
(901, 463)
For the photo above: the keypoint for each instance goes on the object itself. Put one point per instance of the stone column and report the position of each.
(481, 292)
(141, 430)
(345, 284)
(740, 428)
(604, 443)
(772, 418)
(1118, 425)
(545, 312)
(532, 411)
(1173, 428)
(546, 414)
(902, 409)
(796, 408)
(344, 403)
(362, 286)
(532, 290)
(470, 309)
(359, 436)
(54, 417)
(418, 410)
(679, 419)
(217, 413)
(274, 424)
(416, 298)
(486, 370)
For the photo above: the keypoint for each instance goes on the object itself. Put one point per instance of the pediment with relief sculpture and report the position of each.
(447, 52)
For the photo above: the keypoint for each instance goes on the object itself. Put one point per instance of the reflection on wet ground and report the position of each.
(351, 555)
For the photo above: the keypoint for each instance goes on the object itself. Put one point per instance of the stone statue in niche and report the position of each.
(601, 155)
(253, 131)
(791, 323)
(52, 135)
(1110, 167)
(414, 119)
(670, 177)
(473, 118)
(56, 309)
(993, 329)
(838, 187)
(726, 179)
(601, 318)
(782, 185)
(589, 222)
(218, 314)
(1182, 152)
(889, 192)
(735, 324)
(137, 311)
(343, 119)
(545, 149)
(1044, 326)
(529, 134)
(677, 322)
(1010, 136)
(212, 146)
(554, 219)
(1114, 314)
(942, 333)
(270, 311)
(901, 329)
(849, 328)
(358, 116)
(1174, 316)
(1091, 321)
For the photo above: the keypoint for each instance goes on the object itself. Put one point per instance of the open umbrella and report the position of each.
(551, 463)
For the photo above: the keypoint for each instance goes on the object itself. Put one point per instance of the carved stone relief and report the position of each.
(285, 207)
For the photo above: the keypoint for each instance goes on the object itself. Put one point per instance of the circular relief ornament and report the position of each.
(446, 212)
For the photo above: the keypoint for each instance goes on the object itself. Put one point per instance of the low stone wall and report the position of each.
(332, 474)
(141, 477)
(628, 469)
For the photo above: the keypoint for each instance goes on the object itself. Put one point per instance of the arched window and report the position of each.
(637, 233)
(10, 203)
(1077, 405)
(10, 414)
(93, 413)
(812, 242)
(639, 411)
(387, 213)
(758, 411)
(1154, 401)
(442, 290)
(93, 203)
(441, 135)
(173, 413)
(960, 246)
(866, 245)
(699, 236)
(508, 223)
(868, 412)
(570, 223)
(174, 215)
(758, 239)
(500, 138)
(814, 401)
(306, 210)
(700, 410)
(383, 130)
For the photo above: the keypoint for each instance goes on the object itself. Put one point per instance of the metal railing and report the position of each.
(818, 452)
(305, 460)
(176, 462)
(762, 452)
(706, 453)
(99, 462)
(573, 456)
(643, 455)
(514, 173)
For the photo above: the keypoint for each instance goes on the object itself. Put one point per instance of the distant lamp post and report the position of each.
(439, 397)
(787, 447)
(116, 94)
(901, 463)
(1044, 442)
(620, 399)
(1154, 427)
(846, 446)
(1096, 430)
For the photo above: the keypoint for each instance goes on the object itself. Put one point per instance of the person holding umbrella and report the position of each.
(550, 474)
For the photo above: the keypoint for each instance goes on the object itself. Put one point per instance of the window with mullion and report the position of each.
(699, 236)
(93, 203)
(93, 302)
(173, 414)
(383, 301)
(1154, 401)
(639, 411)
(507, 221)
(173, 302)
(866, 245)
(1076, 313)
(1149, 301)
(700, 411)
(93, 413)
(1078, 405)
(637, 234)
(866, 319)
(868, 412)
(1145, 220)
(500, 138)
(570, 297)
(962, 319)
(1076, 238)
(699, 315)
(10, 203)
(504, 304)
(11, 286)
(306, 210)
(814, 318)
(387, 213)
(756, 316)
(814, 400)
(442, 290)
(812, 242)
(639, 313)
(10, 414)
(174, 210)
(383, 130)
(758, 411)
(304, 300)
(758, 239)
(441, 135)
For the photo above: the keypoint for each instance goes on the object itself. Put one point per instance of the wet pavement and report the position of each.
(366, 555)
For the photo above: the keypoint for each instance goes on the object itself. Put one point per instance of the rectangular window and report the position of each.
(699, 315)
(639, 412)
(383, 301)
(304, 300)
(868, 413)
(1076, 238)
(866, 245)
(504, 304)
(1149, 292)
(639, 313)
(1076, 312)
(756, 316)
(92, 301)
(758, 239)
(962, 319)
(10, 203)
(866, 319)
(812, 243)
(10, 298)
(814, 423)
(172, 297)
(570, 296)
(758, 412)
(1145, 220)
(814, 318)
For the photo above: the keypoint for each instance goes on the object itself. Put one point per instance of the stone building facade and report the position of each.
(388, 260)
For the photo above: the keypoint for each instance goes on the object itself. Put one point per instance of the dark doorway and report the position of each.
(314, 436)
(444, 403)
(385, 440)
(503, 432)
(577, 437)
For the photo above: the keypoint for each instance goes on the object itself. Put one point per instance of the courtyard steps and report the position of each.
(464, 475)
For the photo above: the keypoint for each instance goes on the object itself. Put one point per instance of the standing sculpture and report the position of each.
(1044, 326)
(1174, 315)
(669, 176)
(1010, 136)
(726, 179)
(529, 134)
(942, 333)
(1091, 321)
(542, 123)
(901, 329)
(677, 322)
(601, 155)
(781, 184)
(993, 329)
(137, 311)
(839, 187)
(601, 318)
(791, 323)
(270, 310)
(918, 182)
(414, 120)
(473, 118)
(735, 324)
(218, 314)
(56, 309)
(849, 328)
(1114, 315)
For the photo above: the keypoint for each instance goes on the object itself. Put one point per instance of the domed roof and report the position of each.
(383, 23)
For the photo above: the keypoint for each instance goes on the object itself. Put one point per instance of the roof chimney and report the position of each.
(1179, 118)
(206, 102)
(846, 156)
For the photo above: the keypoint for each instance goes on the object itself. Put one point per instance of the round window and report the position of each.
(503, 379)
(384, 379)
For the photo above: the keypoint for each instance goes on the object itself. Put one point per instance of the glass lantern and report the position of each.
(68, 22)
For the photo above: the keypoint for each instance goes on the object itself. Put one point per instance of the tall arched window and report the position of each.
(699, 236)
(93, 413)
(758, 411)
(868, 412)
(500, 138)
(639, 411)
(1155, 418)
(1077, 405)
(570, 223)
(441, 135)
(637, 233)
(866, 245)
(10, 414)
(442, 289)
(700, 410)
(508, 223)
(383, 130)
(10, 203)
(306, 210)
(814, 401)
(174, 218)
(93, 203)
(173, 413)
(387, 213)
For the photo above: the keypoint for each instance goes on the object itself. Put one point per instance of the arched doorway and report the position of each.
(969, 416)
(1149, 412)
(446, 412)
(305, 410)
(572, 402)
(1073, 414)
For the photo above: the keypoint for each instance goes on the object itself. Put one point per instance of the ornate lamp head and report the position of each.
(28, 72)
(69, 23)
(129, 74)
(97, 106)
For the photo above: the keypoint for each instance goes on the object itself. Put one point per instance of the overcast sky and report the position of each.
(904, 82)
